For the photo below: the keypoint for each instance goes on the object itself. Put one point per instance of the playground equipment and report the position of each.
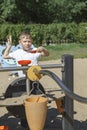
(66, 85)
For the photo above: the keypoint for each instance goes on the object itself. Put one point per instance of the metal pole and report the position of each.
(46, 66)
(67, 78)
(27, 86)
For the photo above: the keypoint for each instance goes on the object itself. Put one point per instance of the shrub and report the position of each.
(47, 33)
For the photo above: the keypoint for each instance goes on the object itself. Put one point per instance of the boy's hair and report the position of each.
(25, 34)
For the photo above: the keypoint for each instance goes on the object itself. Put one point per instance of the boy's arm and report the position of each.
(7, 50)
(43, 51)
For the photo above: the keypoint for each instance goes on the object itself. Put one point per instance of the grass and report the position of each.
(77, 50)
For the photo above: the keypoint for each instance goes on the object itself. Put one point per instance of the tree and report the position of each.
(9, 11)
(42, 11)
(79, 10)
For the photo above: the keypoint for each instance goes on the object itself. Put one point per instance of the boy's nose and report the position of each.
(27, 43)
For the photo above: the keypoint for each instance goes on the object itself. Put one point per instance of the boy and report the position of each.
(25, 53)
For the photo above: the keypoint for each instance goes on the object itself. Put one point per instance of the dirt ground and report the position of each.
(54, 119)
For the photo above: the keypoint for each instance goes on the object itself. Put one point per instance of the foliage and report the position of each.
(45, 34)
(8, 11)
(42, 11)
(82, 33)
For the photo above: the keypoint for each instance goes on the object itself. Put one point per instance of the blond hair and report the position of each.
(25, 34)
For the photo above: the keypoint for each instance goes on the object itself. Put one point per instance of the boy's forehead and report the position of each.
(25, 37)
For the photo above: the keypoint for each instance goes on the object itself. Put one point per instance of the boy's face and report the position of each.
(26, 43)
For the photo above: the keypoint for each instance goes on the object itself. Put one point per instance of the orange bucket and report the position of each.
(3, 127)
(36, 110)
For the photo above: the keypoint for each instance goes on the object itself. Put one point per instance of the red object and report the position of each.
(3, 127)
(33, 51)
(24, 62)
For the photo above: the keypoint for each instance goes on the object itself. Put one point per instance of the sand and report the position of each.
(53, 121)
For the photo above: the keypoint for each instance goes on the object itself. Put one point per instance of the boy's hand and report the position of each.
(40, 49)
(9, 40)
(7, 50)
(43, 51)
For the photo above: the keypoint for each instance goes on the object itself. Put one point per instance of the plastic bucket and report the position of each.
(36, 110)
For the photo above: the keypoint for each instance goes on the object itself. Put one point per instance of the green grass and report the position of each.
(77, 50)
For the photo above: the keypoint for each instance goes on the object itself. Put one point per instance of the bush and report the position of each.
(47, 33)
(82, 33)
